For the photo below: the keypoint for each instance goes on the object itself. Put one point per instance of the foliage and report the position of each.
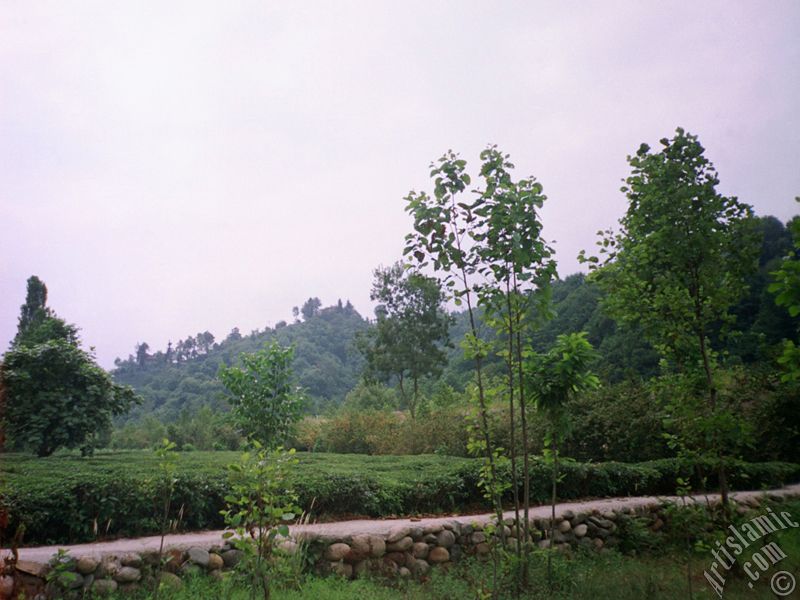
(326, 364)
(37, 322)
(678, 293)
(694, 431)
(54, 394)
(263, 395)
(561, 373)
(57, 396)
(553, 379)
(61, 576)
(385, 432)
(202, 430)
(370, 396)
(410, 330)
(786, 288)
(490, 247)
(258, 510)
(620, 422)
(775, 415)
(67, 499)
(517, 267)
(166, 481)
(311, 308)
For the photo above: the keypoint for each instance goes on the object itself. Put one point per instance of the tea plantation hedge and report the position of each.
(67, 499)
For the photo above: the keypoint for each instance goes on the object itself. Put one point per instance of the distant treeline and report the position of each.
(182, 377)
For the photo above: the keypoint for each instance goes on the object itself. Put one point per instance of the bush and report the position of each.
(66, 499)
(384, 432)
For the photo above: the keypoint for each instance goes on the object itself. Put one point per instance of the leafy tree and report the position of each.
(680, 260)
(310, 308)
(35, 308)
(517, 267)
(787, 289)
(492, 247)
(554, 378)
(206, 341)
(411, 329)
(167, 465)
(265, 401)
(142, 355)
(370, 396)
(443, 237)
(55, 395)
(37, 322)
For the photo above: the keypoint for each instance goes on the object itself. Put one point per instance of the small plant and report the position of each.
(166, 467)
(293, 559)
(687, 528)
(259, 511)
(60, 577)
(554, 378)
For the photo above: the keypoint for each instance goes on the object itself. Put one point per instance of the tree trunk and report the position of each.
(712, 399)
(484, 413)
(412, 406)
(554, 480)
(513, 441)
(526, 476)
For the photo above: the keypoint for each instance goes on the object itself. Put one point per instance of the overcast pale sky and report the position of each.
(168, 168)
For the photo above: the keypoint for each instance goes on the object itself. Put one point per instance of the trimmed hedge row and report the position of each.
(69, 500)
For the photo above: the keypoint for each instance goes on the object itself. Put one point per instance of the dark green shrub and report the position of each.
(66, 499)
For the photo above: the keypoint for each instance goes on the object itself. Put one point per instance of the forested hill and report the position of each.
(328, 365)
(759, 325)
(184, 376)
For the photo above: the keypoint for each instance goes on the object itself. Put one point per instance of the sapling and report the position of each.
(167, 458)
(259, 510)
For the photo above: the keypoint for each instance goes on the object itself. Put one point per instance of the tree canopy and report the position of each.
(683, 254)
(411, 330)
(679, 263)
(265, 399)
(55, 395)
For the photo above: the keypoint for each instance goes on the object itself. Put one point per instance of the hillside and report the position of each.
(328, 366)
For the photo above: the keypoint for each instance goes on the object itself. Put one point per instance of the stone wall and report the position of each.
(406, 550)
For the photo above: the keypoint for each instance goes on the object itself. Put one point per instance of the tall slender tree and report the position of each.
(678, 263)
(492, 254)
(445, 228)
(35, 307)
(517, 267)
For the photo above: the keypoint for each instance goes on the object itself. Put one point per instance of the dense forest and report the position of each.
(183, 377)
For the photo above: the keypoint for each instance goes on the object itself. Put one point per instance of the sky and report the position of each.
(168, 168)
